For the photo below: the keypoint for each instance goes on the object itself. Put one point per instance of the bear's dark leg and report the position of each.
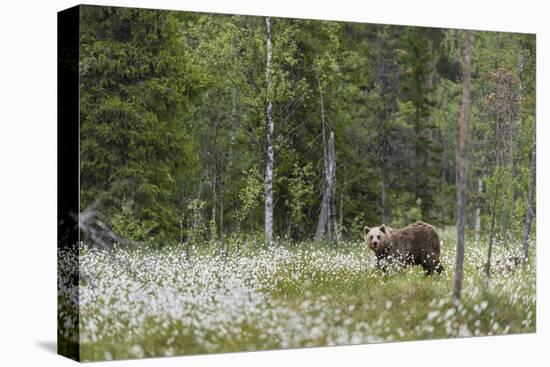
(428, 269)
(381, 264)
(439, 268)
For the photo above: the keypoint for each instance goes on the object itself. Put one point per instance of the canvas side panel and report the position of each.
(68, 183)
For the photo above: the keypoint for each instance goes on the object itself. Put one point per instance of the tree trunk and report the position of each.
(222, 234)
(477, 224)
(492, 230)
(530, 211)
(333, 225)
(462, 163)
(213, 230)
(431, 66)
(505, 205)
(181, 229)
(325, 214)
(384, 196)
(341, 214)
(229, 170)
(270, 156)
(234, 124)
(338, 224)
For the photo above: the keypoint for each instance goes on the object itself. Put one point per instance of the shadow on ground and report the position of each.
(49, 345)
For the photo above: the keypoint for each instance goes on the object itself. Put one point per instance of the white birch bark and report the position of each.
(324, 212)
(270, 154)
(530, 201)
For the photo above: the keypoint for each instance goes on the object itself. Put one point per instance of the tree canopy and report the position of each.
(173, 124)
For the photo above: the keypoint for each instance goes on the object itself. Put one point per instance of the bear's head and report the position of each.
(377, 238)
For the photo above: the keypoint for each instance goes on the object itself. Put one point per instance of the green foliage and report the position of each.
(250, 194)
(135, 85)
(173, 119)
(411, 215)
(356, 227)
(196, 231)
(126, 225)
(302, 193)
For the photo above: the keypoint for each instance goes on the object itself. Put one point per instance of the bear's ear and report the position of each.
(383, 228)
(366, 230)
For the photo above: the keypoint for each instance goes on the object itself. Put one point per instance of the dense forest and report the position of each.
(200, 128)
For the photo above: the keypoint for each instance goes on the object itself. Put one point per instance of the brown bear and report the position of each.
(415, 244)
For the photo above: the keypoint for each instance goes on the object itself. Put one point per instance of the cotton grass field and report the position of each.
(142, 303)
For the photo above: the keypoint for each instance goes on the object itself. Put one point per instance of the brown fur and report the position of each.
(415, 244)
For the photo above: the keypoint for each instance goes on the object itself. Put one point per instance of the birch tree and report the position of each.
(530, 201)
(270, 153)
(462, 161)
(327, 210)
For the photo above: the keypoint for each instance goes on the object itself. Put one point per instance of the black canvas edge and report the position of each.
(68, 26)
